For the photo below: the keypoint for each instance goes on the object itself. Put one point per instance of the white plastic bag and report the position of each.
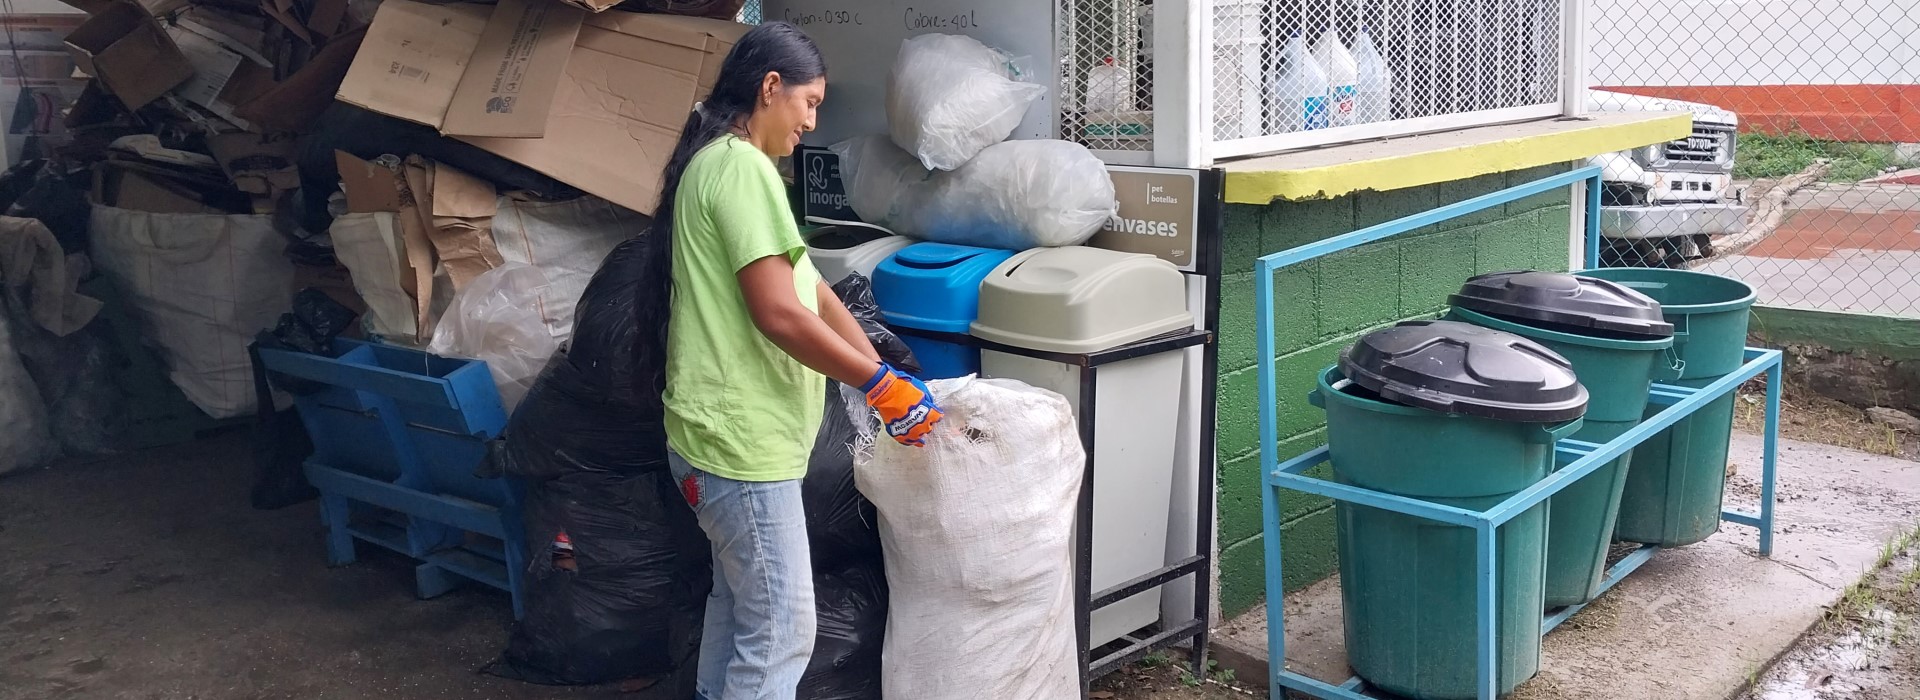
(978, 528)
(497, 319)
(1014, 195)
(950, 96)
(201, 286)
(26, 441)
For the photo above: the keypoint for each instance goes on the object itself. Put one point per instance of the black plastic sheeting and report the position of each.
(588, 439)
(280, 441)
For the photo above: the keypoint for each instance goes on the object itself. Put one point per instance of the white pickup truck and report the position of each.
(1663, 204)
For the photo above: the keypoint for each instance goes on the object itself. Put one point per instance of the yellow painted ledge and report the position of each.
(1453, 155)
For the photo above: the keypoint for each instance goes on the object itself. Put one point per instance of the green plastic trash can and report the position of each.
(1614, 337)
(1459, 415)
(1673, 492)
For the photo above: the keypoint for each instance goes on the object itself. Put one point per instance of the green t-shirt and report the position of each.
(738, 406)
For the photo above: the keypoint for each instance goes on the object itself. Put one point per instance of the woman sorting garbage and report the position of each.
(748, 332)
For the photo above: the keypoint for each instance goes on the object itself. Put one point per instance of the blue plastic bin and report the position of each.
(936, 287)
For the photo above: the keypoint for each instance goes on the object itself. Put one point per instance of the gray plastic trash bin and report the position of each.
(1082, 300)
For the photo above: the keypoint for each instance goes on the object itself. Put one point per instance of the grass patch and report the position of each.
(1770, 156)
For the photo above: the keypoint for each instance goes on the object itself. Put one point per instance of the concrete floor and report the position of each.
(149, 576)
(1696, 623)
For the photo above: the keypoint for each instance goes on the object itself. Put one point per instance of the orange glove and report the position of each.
(905, 405)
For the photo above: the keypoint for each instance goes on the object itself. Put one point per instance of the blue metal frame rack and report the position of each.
(1578, 458)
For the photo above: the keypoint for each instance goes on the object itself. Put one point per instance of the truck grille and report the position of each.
(1702, 146)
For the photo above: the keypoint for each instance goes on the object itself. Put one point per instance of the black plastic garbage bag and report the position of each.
(632, 604)
(588, 410)
(588, 438)
(281, 445)
(841, 524)
(58, 199)
(850, 607)
(856, 291)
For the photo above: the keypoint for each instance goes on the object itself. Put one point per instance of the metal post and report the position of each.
(1593, 221)
(1770, 442)
(1083, 530)
(1488, 612)
(1276, 589)
(1573, 58)
(1269, 459)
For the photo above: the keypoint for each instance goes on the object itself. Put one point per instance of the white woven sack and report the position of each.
(201, 286)
(978, 529)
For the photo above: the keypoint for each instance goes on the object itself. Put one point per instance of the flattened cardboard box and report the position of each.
(127, 50)
(618, 103)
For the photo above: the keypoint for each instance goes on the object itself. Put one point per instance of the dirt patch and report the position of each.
(1810, 416)
(1162, 677)
(1868, 646)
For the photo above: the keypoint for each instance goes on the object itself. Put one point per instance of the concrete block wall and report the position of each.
(1323, 305)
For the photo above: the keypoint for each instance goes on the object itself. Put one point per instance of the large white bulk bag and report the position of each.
(201, 286)
(978, 528)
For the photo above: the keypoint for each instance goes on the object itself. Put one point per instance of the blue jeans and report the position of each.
(760, 620)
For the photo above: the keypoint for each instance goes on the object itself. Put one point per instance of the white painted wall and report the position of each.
(1754, 42)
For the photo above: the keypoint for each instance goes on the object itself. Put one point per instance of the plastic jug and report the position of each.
(1343, 77)
(1107, 88)
(1374, 99)
(1298, 92)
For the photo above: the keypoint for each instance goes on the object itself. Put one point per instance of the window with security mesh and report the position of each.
(1294, 73)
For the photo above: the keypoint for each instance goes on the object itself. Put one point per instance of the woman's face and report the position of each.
(787, 111)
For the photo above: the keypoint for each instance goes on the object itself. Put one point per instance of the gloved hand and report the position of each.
(905, 405)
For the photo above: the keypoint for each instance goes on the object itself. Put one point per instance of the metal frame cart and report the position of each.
(1577, 457)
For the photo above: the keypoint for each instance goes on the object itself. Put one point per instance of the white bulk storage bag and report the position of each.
(950, 96)
(566, 240)
(978, 528)
(26, 440)
(1015, 195)
(201, 286)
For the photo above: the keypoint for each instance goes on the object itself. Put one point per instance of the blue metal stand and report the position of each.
(399, 437)
(1580, 458)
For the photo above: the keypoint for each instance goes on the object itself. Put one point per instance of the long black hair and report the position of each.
(774, 47)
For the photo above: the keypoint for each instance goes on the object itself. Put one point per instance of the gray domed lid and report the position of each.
(1454, 367)
(1566, 303)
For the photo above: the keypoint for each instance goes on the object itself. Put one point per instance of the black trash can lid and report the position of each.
(1454, 367)
(1567, 303)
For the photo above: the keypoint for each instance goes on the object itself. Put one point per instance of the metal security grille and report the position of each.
(1795, 178)
(1294, 73)
(1106, 73)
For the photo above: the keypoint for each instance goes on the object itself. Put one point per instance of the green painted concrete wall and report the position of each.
(1322, 306)
(1882, 336)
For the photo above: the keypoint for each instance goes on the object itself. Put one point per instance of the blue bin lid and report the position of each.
(934, 286)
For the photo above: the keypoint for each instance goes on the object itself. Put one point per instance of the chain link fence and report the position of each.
(1800, 176)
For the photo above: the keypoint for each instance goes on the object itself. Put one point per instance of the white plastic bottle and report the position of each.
(1374, 99)
(1108, 87)
(1297, 94)
(1343, 76)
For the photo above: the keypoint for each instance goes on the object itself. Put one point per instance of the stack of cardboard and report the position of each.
(226, 81)
(373, 141)
(594, 101)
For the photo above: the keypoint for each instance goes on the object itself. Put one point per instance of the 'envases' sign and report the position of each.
(1159, 214)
